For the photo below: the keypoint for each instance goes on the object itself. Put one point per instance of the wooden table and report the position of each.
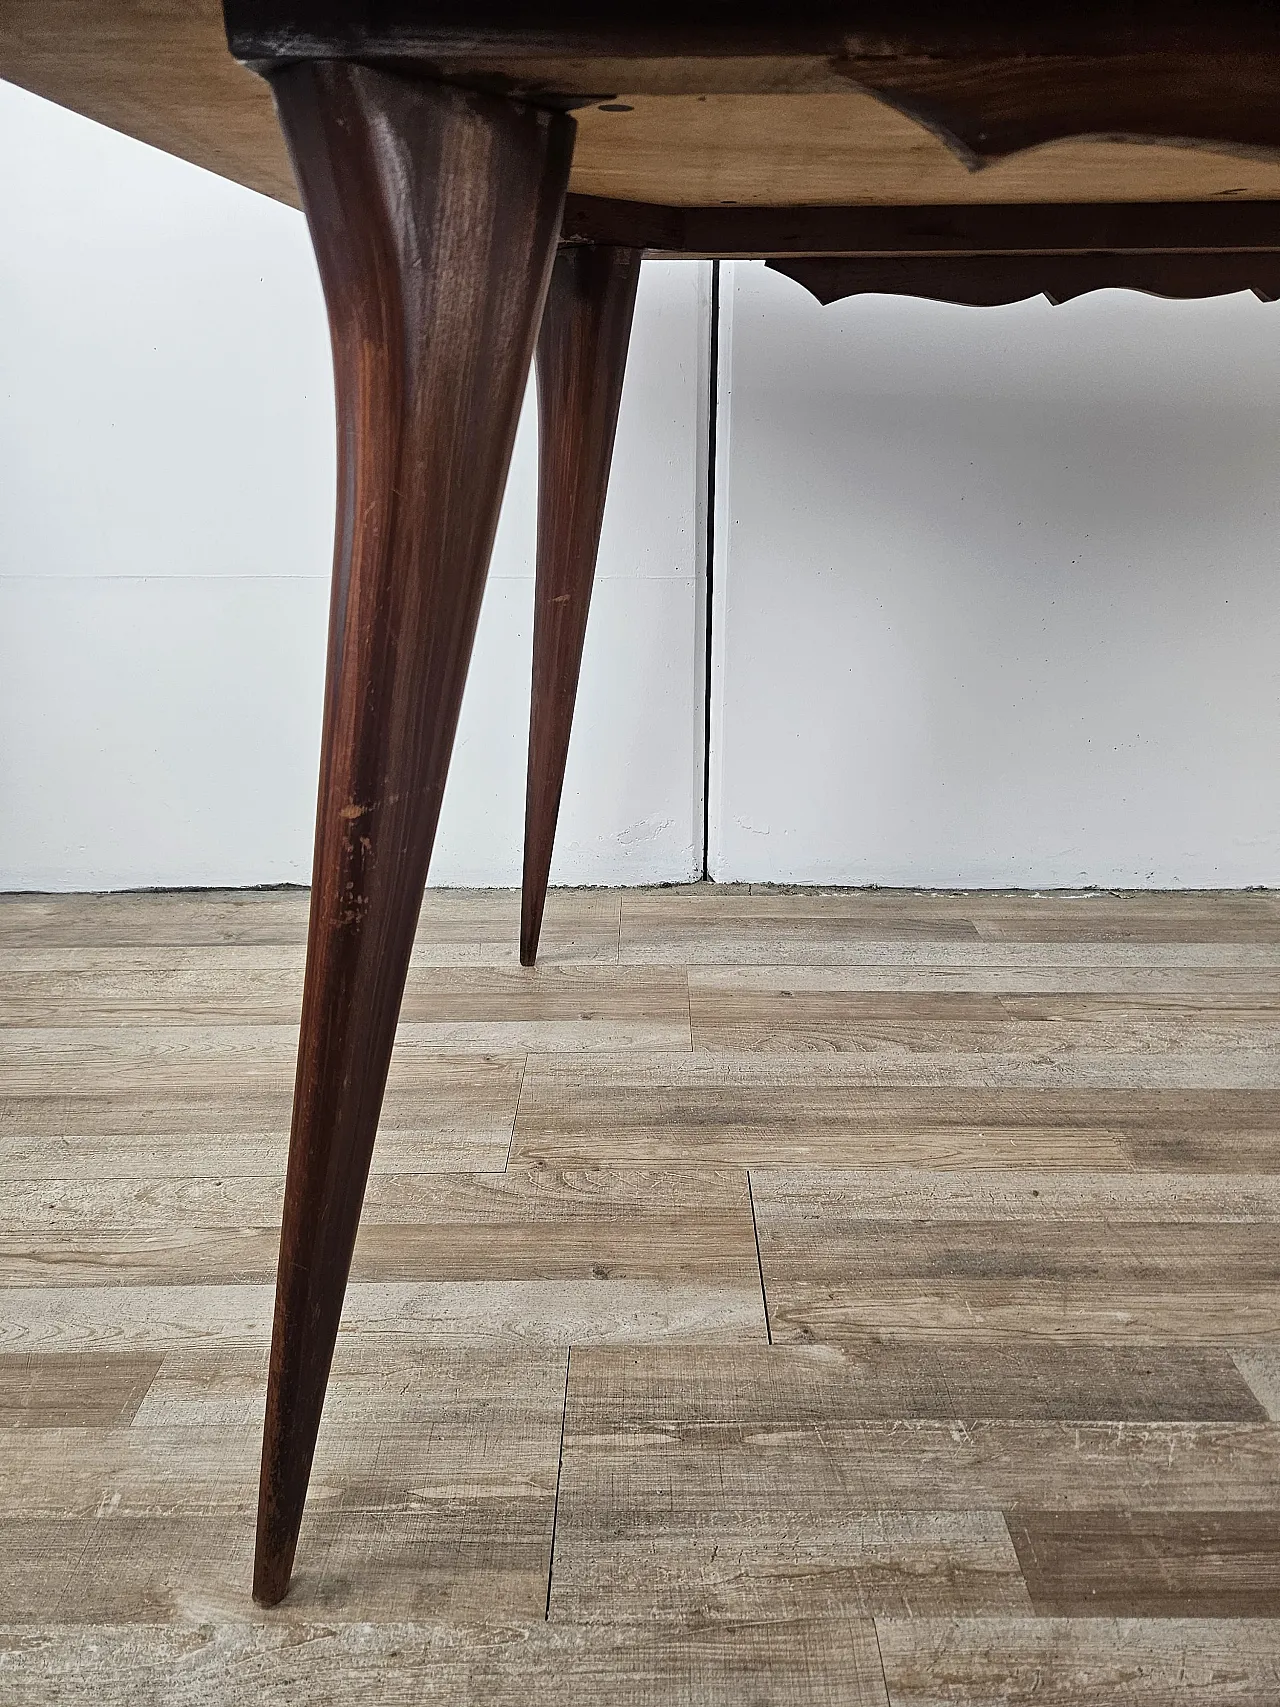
(482, 177)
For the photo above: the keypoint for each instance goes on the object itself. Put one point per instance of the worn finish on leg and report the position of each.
(582, 355)
(434, 215)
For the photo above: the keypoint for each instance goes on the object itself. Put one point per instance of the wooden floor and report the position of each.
(777, 1298)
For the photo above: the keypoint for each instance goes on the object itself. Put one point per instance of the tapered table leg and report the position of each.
(582, 355)
(434, 215)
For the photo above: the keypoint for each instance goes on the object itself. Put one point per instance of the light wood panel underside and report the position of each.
(159, 70)
(868, 1298)
(847, 148)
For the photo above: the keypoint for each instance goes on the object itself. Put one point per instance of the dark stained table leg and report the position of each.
(582, 355)
(434, 215)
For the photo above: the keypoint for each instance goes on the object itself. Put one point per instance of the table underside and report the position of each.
(774, 152)
(764, 129)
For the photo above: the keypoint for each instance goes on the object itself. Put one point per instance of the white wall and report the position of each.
(997, 591)
(166, 442)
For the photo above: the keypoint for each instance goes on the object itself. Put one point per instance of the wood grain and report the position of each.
(409, 1381)
(730, 1561)
(847, 148)
(1018, 977)
(1150, 1564)
(158, 72)
(765, 1109)
(1079, 917)
(881, 1377)
(581, 362)
(1108, 1662)
(86, 1114)
(500, 1449)
(434, 215)
(522, 1226)
(790, 1022)
(816, 1199)
(559, 1312)
(611, 1199)
(74, 1392)
(451, 1511)
(832, 1271)
(793, 1663)
(798, 1477)
(453, 1558)
(680, 130)
(1135, 1311)
(149, 921)
(653, 1001)
(455, 926)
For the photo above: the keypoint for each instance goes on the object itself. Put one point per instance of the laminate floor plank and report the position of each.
(70, 1083)
(389, 1381)
(456, 1558)
(686, 914)
(72, 1391)
(1079, 1313)
(137, 1472)
(199, 1151)
(148, 918)
(1059, 1662)
(714, 1562)
(867, 1022)
(686, 1225)
(293, 1662)
(1009, 976)
(805, 1476)
(45, 1060)
(1189, 917)
(824, 1196)
(156, 986)
(736, 1427)
(1150, 1564)
(733, 926)
(812, 958)
(1238, 1257)
(565, 1199)
(917, 1379)
(761, 1110)
(40, 1319)
(832, 1271)
(438, 1113)
(1206, 1149)
(1082, 915)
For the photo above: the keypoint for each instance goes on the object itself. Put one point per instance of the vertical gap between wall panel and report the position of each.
(713, 383)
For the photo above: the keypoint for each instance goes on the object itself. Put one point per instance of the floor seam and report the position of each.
(511, 1136)
(884, 1675)
(755, 1228)
(555, 1508)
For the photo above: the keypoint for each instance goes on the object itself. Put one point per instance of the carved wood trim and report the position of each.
(988, 280)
